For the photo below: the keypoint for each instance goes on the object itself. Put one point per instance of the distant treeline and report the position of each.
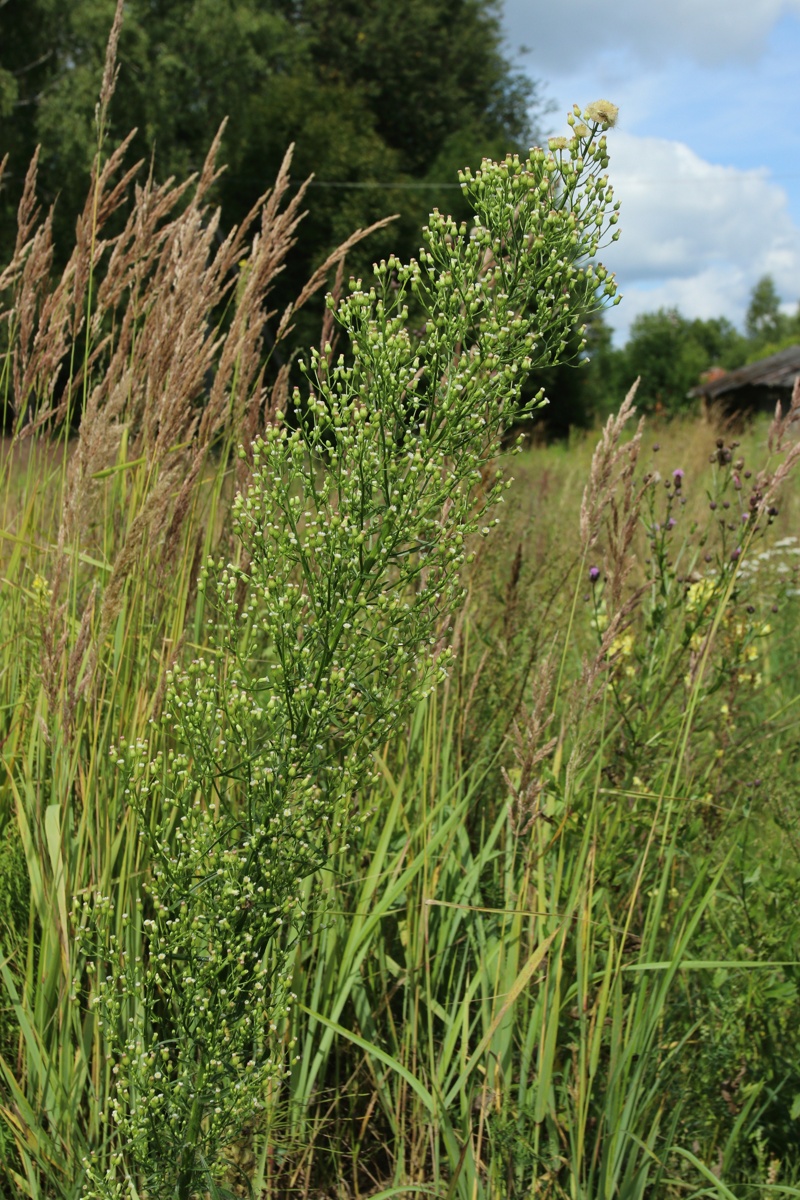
(385, 102)
(669, 352)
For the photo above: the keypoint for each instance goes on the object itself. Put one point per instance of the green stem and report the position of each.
(183, 1189)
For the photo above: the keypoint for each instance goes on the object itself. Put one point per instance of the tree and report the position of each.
(764, 321)
(585, 386)
(670, 353)
(430, 70)
(769, 329)
(383, 101)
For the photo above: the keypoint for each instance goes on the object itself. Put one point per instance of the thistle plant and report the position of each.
(360, 509)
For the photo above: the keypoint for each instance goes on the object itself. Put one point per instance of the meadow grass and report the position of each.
(562, 956)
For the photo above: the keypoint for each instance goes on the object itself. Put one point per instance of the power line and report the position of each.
(404, 185)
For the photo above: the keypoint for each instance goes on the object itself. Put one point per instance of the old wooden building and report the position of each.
(754, 388)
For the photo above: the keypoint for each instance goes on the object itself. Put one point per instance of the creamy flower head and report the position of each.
(581, 130)
(602, 111)
(557, 143)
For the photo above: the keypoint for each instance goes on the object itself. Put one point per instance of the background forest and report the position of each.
(384, 102)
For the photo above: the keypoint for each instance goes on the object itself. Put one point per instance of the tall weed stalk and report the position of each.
(136, 1052)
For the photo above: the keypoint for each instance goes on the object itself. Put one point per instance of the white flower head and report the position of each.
(603, 112)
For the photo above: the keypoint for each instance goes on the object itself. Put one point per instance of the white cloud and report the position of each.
(704, 89)
(708, 31)
(694, 234)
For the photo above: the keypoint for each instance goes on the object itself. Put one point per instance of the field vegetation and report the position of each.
(370, 827)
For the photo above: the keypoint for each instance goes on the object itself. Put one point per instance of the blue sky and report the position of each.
(706, 155)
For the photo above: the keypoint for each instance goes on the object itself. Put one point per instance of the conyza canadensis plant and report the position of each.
(353, 531)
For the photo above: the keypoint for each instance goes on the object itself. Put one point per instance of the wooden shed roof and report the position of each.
(778, 371)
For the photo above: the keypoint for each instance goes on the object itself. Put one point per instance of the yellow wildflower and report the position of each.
(699, 594)
(42, 592)
(622, 646)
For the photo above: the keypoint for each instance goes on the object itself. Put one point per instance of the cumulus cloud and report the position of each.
(682, 213)
(695, 234)
(708, 31)
(703, 88)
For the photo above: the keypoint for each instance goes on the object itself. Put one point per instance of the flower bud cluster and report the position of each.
(549, 216)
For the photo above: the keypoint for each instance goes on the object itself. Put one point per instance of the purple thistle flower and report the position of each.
(677, 473)
(594, 574)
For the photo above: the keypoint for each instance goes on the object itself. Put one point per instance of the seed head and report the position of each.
(603, 112)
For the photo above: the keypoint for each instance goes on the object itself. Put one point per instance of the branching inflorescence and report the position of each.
(353, 530)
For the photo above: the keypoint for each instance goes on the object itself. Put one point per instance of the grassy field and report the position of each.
(560, 956)
(350, 846)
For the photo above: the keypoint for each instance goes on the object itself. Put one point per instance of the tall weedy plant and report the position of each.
(352, 533)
